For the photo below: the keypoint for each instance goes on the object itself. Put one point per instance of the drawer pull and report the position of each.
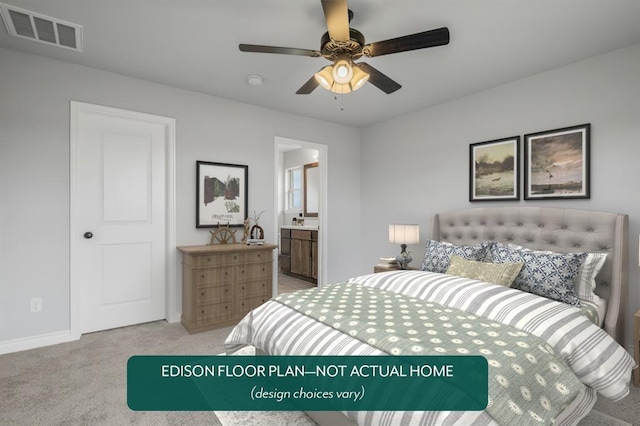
(203, 293)
(243, 287)
(202, 275)
(208, 259)
(225, 307)
(226, 290)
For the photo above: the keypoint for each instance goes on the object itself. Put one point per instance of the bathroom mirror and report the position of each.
(311, 189)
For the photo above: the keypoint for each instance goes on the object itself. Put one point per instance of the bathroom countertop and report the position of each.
(308, 227)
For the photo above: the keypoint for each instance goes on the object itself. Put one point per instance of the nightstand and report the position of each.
(636, 347)
(385, 268)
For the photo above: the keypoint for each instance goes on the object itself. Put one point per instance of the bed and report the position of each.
(530, 338)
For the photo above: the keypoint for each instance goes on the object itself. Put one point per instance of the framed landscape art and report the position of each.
(494, 170)
(556, 163)
(221, 194)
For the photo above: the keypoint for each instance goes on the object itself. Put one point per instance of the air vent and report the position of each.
(45, 29)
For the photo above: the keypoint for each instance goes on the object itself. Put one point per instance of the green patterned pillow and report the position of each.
(496, 273)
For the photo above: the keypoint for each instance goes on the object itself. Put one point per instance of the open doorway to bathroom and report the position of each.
(301, 212)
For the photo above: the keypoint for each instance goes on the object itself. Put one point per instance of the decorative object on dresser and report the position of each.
(299, 253)
(556, 163)
(222, 282)
(223, 235)
(494, 170)
(404, 235)
(245, 233)
(222, 191)
(257, 233)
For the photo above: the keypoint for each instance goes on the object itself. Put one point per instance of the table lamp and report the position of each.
(404, 234)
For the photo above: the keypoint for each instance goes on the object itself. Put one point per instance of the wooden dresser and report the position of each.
(221, 283)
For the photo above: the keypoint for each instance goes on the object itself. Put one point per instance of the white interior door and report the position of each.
(122, 201)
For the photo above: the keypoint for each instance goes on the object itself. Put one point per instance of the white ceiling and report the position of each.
(193, 44)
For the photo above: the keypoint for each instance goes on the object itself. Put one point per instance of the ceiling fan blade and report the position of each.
(431, 38)
(308, 87)
(378, 79)
(281, 50)
(336, 14)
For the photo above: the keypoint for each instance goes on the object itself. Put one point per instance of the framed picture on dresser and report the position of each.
(494, 170)
(222, 192)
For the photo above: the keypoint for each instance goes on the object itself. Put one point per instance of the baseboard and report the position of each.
(25, 343)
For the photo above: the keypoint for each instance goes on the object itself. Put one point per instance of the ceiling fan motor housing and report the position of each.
(332, 49)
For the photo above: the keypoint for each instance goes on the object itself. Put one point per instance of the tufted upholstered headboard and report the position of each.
(555, 229)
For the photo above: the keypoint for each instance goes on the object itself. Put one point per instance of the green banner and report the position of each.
(310, 383)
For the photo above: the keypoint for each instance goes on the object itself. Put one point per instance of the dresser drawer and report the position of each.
(219, 259)
(253, 272)
(245, 305)
(213, 295)
(264, 256)
(260, 288)
(213, 276)
(213, 313)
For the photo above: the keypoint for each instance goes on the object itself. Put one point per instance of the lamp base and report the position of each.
(404, 258)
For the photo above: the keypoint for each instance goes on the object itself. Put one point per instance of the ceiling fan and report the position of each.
(342, 45)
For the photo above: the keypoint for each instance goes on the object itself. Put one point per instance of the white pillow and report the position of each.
(586, 284)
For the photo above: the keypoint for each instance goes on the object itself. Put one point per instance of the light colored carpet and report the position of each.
(84, 383)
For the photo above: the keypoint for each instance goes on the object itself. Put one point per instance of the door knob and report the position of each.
(88, 235)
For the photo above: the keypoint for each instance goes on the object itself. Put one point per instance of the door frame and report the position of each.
(280, 145)
(75, 204)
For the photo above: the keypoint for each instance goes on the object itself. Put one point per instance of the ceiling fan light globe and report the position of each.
(359, 78)
(342, 71)
(324, 77)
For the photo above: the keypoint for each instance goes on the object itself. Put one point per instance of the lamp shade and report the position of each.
(404, 234)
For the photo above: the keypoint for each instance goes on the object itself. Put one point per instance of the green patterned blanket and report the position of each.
(528, 384)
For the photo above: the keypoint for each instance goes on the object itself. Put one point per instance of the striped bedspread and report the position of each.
(593, 356)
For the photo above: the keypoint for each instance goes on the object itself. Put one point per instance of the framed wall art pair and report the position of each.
(556, 166)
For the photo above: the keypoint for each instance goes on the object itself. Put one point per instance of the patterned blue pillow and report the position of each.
(437, 257)
(548, 274)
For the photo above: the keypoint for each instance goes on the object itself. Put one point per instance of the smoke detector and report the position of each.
(255, 80)
(41, 28)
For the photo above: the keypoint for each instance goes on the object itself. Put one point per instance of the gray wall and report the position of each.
(417, 165)
(34, 173)
(408, 168)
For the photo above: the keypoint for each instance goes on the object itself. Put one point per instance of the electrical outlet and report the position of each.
(36, 304)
